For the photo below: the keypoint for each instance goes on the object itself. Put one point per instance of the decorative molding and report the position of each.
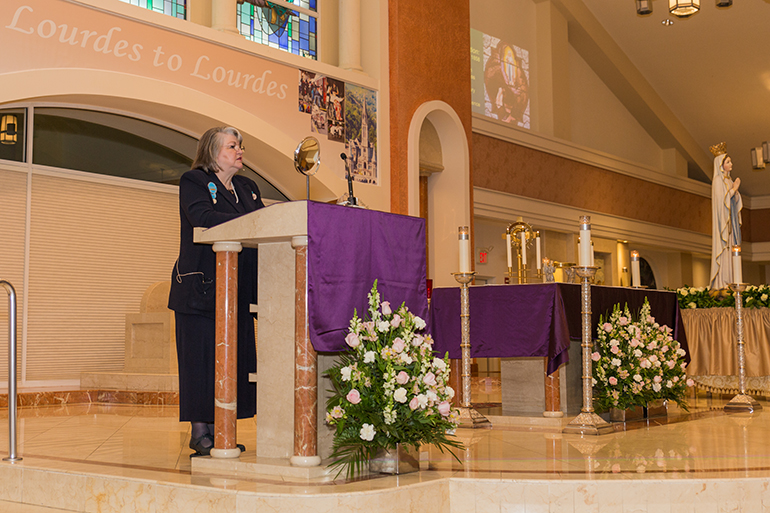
(585, 155)
(562, 218)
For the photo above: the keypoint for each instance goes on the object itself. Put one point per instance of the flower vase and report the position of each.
(656, 408)
(627, 415)
(402, 459)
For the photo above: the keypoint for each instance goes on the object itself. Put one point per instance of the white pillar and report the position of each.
(350, 35)
(224, 15)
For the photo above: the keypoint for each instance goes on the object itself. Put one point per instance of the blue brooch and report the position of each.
(213, 191)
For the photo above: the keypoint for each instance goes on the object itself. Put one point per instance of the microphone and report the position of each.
(344, 157)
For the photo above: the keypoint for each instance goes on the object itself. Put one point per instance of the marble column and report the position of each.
(224, 16)
(305, 368)
(552, 393)
(226, 371)
(350, 35)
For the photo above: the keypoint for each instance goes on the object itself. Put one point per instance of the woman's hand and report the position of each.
(736, 184)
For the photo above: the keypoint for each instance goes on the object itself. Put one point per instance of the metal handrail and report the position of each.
(12, 399)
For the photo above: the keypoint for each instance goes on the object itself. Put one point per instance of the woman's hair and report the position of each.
(722, 164)
(209, 145)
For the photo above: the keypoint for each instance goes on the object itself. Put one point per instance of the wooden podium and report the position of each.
(286, 361)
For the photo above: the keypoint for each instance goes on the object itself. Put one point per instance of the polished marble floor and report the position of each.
(73, 456)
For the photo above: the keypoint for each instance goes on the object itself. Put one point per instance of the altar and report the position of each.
(525, 324)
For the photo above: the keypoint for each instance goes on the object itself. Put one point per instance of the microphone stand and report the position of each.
(351, 199)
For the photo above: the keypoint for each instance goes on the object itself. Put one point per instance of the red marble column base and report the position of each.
(552, 393)
(305, 369)
(226, 370)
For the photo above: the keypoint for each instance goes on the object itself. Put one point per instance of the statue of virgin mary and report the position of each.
(726, 205)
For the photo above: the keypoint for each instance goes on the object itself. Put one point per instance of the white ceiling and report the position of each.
(712, 72)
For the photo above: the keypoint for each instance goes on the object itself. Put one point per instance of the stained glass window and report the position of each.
(175, 8)
(279, 26)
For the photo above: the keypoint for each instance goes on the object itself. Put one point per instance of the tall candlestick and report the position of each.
(737, 265)
(508, 249)
(523, 236)
(465, 249)
(537, 251)
(584, 252)
(635, 273)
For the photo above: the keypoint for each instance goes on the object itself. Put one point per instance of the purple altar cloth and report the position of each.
(537, 319)
(348, 248)
(506, 321)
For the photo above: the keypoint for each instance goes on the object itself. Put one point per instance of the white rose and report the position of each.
(400, 395)
(432, 396)
(615, 362)
(637, 378)
(656, 387)
(383, 326)
(439, 364)
(345, 373)
(369, 357)
(450, 392)
(692, 305)
(422, 400)
(763, 297)
(367, 432)
(405, 358)
(418, 323)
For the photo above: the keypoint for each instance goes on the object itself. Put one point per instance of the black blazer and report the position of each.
(205, 202)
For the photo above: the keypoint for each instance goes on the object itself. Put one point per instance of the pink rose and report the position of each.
(398, 345)
(386, 308)
(396, 321)
(657, 379)
(614, 350)
(444, 408)
(429, 379)
(353, 397)
(595, 356)
(414, 403)
(607, 327)
(622, 321)
(613, 381)
(352, 340)
(402, 378)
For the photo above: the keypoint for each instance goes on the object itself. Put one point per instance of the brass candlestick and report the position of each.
(469, 417)
(587, 422)
(741, 402)
(515, 230)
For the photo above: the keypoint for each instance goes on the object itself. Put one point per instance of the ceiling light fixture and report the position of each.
(8, 133)
(683, 8)
(724, 3)
(643, 7)
(667, 22)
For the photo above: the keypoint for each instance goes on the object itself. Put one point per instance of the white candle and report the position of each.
(465, 249)
(523, 236)
(508, 248)
(537, 251)
(584, 253)
(635, 273)
(737, 265)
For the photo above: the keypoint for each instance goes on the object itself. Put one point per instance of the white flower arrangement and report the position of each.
(389, 388)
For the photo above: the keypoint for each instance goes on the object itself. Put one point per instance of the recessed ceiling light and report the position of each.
(667, 22)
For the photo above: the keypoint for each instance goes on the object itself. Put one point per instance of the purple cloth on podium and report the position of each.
(537, 319)
(506, 321)
(348, 248)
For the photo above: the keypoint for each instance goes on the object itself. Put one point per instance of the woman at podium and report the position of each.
(210, 194)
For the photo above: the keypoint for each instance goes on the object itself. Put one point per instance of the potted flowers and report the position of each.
(637, 362)
(389, 389)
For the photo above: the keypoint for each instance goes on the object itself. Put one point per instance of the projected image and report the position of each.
(504, 68)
